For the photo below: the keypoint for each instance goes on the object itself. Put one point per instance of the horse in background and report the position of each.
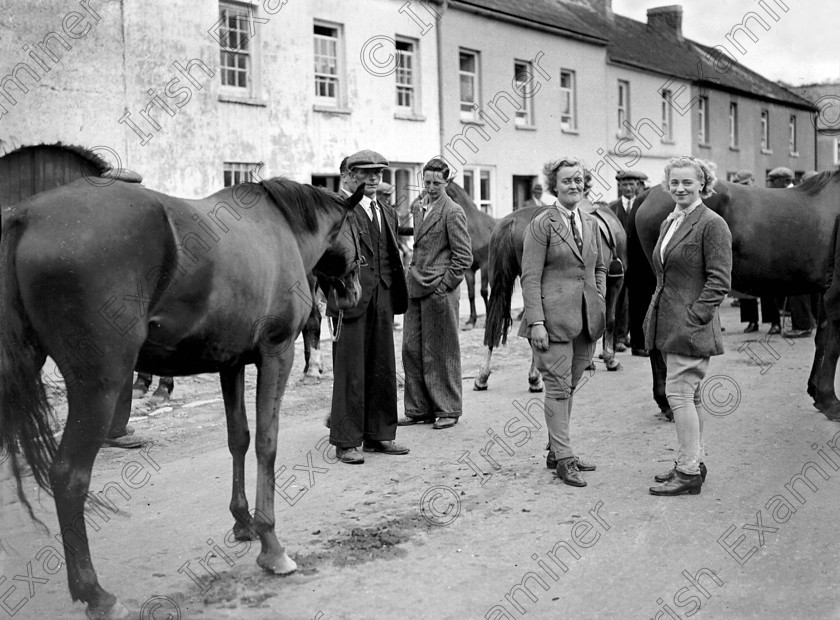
(104, 279)
(480, 225)
(506, 245)
(784, 242)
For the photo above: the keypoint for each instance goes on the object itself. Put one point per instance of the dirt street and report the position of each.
(470, 524)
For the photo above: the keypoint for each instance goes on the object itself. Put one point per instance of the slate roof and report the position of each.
(636, 44)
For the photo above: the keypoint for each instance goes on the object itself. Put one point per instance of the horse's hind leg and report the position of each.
(91, 402)
(821, 381)
(485, 291)
(659, 371)
(239, 438)
(469, 277)
(480, 381)
(271, 384)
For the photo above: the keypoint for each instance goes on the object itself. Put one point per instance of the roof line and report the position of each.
(466, 5)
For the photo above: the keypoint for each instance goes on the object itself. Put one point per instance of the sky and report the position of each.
(802, 47)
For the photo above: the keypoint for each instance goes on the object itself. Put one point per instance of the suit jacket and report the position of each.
(560, 284)
(442, 248)
(367, 279)
(618, 208)
(691, 283)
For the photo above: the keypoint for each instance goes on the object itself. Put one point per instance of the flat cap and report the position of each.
(780, 173)
(743, 177)
(631, 175)
(366, 159)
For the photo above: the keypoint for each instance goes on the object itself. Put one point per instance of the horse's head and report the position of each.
(339, 267)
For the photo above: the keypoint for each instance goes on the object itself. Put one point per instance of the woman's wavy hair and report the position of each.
(705, 173)
(551, 168)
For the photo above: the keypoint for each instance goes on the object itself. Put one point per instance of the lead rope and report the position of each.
(337, 334)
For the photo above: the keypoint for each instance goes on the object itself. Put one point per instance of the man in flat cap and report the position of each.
(744, 177)
(780, 178)
(536, 197)
(364, 400)
(630, 185)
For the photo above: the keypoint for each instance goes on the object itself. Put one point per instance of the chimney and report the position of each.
(603, 8)
(666, 19)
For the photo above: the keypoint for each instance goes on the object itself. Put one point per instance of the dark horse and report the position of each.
(480, 225)
(106, 279)
(784, 242)
(506, 246)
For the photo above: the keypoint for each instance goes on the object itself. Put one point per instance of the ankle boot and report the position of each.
(678, 484)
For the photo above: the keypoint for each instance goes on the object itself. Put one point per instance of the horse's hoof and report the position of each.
(535, 387)
(279, 565)
(244, 532)
(669, 415)
(477, 387)
(138, 393)
(614, 367)
(312, 380)
(160, 395)
(112, 612)
(467, 327)
(832, 413)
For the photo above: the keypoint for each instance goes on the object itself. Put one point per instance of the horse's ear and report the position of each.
(356, 198)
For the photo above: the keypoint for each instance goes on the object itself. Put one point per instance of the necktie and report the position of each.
(373, 215)
(675, 219)
(576, 233)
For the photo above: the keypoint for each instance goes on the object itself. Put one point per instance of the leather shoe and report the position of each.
(639, 353)
(351, 456)
(797, 333)
(386, 447)
(584, 465)
(751, 327)
(567, 471)
(551, 463)
(444, 423)
(409, 421)
(680, 483)
(620, 347)
(670, 474)
(775, 328)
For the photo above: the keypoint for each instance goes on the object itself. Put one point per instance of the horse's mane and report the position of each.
(298, 202)
(95, 160)
(815, 184)
(460, 195)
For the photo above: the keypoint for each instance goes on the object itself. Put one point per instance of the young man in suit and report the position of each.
(364, 400)
(431, 351)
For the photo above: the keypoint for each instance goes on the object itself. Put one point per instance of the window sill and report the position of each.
(734, 148)
(668, 142)
(766, 151)
(570, 131)
(526, 127)
(404, 116)
(471, 121)
(261, 103)
(325, 109)
(794, 153)
(704, 145)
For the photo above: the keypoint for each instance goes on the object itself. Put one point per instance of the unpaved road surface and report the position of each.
(471, 524)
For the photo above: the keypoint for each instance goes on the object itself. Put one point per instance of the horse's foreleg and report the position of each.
(239, 438)
(273, 374)
(659, 371)
(91, 403)
(312, 348)
(469, 277)
(535, 381)
(821, 381)
(480, 381)
(614, 286)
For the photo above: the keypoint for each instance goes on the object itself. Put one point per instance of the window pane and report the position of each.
(467, 62)
(485, 185)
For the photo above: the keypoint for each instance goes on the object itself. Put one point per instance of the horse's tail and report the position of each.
(24, 411)
(504, 269)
